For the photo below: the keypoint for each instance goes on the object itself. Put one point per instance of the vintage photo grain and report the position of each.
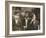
(25, 18)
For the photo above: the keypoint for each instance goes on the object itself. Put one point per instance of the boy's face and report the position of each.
(23, 14)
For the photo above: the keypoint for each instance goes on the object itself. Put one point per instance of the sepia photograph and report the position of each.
(25, 18)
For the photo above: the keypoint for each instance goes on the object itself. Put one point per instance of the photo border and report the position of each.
(30, 31)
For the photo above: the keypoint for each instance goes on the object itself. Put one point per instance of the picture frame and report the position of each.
(11, 6)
